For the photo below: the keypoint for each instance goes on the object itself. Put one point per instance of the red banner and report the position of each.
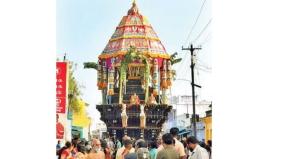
(61, 90)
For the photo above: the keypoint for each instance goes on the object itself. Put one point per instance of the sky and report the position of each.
(83, 28)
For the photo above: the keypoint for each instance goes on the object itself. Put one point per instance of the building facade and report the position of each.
(182, 116)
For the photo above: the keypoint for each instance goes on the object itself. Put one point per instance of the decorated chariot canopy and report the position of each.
(135, 53)
(134, 30)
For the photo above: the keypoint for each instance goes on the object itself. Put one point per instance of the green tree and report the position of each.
(73, 91)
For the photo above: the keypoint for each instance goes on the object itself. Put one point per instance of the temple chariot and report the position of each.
(134, 75)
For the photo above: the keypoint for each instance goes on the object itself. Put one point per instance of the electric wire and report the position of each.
(196, 20)
(206, 40)
(202, 31)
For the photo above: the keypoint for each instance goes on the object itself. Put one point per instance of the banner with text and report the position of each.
(61, 100)
(61, 90)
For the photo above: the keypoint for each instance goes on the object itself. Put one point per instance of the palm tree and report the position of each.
(174, 60)
(89, 65)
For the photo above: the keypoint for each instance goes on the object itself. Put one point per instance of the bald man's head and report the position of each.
(96, 143)
(125, 137)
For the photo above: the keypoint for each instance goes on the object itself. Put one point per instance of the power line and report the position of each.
(202, 31)
(196, 20)
(202, 69)
(183, 59)
(179, 70)
(207, 39)
(198, 92)
(200, 62)
(202, 66)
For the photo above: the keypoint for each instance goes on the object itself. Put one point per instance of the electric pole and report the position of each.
(192, 49)
(64, 57)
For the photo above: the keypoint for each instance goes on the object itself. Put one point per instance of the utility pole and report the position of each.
(192, 49)
(64, 57)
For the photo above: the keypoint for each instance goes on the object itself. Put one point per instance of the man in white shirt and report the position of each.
(197, 151)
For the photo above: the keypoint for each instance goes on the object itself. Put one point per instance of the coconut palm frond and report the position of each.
(174, 59)
(93, 65)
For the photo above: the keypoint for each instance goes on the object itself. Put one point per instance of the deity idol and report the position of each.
(124, 116)
(152, 100)
(142, 117)
(134, 99)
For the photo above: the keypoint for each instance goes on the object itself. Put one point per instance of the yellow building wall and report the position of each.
(80, 118)
(208, 128)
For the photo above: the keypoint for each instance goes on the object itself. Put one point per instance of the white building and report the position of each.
(183, 105)
(100, 129)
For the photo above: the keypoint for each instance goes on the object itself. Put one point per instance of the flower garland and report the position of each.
(146, 75)
(164, 83)
(169, 74)
(104, 84)
(111, 81)
(155, 78)
(147, 53)
(99, 75)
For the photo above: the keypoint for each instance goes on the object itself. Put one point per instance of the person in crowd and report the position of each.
(81, 154)
(110, 143)
(75, 141)
(197, 151)
(159, 143)
(208, 147)
(96, 152)
(65, 152)
(187, 151)
(126, 149)
(142, 150)
(58, 147)
(140, 141)
(168, 151)
(121, 150)
(183, 143)
(131, 156)
(118, 144)
(59, 128)
(153, 150)
(106, 149)
(209, 143)
(178, 145)
(88, 147)
(202, 144)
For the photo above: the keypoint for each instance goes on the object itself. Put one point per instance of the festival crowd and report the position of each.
(166, 147)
